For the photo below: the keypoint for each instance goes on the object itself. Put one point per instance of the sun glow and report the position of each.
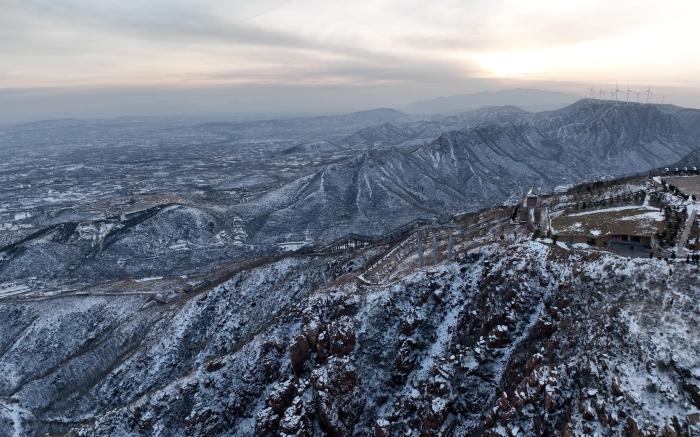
(650, 54)
(378, 41)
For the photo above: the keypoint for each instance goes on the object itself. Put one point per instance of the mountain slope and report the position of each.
(516, 335)
(642, 135)
(688, 117)
(513, 335)
(471, 168)
(413, 132)
(692, 159)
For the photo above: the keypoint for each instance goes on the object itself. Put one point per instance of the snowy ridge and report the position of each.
(471, 168)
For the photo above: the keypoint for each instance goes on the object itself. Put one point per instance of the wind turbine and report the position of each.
(617, 91)
(628, 93)
(648, 91)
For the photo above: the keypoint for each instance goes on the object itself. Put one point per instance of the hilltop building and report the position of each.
(534, 212)
(629, 231)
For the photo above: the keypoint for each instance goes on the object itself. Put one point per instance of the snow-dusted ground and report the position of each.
(517, 334)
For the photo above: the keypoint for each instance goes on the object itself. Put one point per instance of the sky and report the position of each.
(251, 56)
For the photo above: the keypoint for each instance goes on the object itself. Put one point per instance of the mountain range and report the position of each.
(389, 169)
(529, 99)
(469, 168)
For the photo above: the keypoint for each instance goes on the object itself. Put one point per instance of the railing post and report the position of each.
(435, 249)
(449, 246)
(421, 261)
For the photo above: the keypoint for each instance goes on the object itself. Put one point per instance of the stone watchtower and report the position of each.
(533, 212)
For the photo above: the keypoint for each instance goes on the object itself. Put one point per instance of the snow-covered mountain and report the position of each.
(515, 335)
(158, 312)
(471, 168)
(411, 133)
(374, 179)
(688, 117)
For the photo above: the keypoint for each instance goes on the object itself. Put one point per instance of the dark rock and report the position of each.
(323, 345)
(381, 428)
(669, 431)
(544, 328)
(693, 418)
(694, 392)
(280, 398)
(434, 417)
(312, 330)
(615, 388)
(631, 428)
(298, 353)
(342, 337)
(213, 366)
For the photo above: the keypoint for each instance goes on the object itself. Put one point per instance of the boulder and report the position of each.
(381, 428)
(281, 396)
(342, 337)
(213, 366)
(266, 422)
(631, 428)
(312, 330)
(298, 353)
(434, 417)
(669, 431)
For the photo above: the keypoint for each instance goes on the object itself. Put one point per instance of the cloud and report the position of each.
(198, 43)
(158, 21)
(395, 70)
(443, 45)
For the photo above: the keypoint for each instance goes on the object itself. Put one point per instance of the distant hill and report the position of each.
(412, 133)
(305, 127)
(527, 99)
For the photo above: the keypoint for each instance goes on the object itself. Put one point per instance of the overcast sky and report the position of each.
(108, 53)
